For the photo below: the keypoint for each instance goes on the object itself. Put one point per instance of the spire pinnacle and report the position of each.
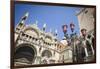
(44, 27)
(24, 17)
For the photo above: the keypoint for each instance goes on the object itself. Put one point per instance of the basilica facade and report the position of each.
(36, 46)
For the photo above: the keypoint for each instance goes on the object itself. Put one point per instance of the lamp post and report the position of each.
(72, 38)
(72, 27)
(64, 27)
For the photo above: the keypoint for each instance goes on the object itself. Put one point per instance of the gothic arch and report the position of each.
(32, 29)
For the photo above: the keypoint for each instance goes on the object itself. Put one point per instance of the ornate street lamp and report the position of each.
(73, 39)
(72, 26)
(64, 27)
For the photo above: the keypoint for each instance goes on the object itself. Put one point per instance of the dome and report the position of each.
(64, 42)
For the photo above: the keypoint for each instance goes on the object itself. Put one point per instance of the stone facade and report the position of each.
(86, 18)
(35, 46)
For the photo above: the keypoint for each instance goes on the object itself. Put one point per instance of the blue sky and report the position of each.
(53, 16)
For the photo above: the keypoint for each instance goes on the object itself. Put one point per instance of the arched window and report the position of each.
(46, 53)
(25, 54)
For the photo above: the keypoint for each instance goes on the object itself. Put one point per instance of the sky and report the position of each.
(53, 16)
